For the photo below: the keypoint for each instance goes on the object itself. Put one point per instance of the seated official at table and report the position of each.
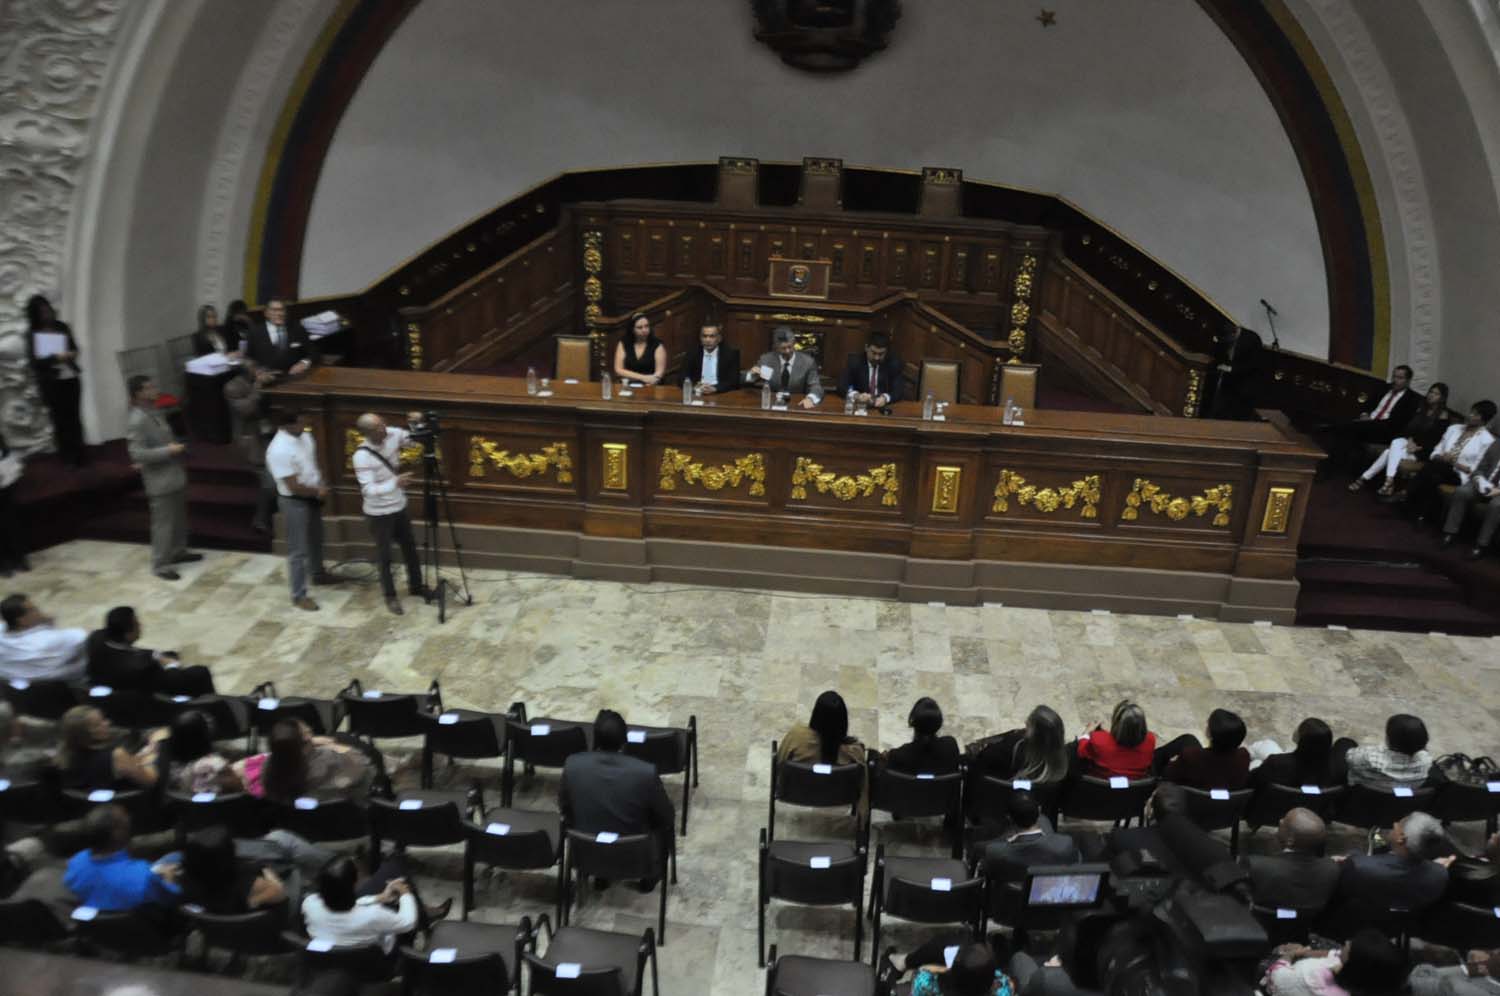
(640, 355)
(791, 370)
(713, 366)
(874, 378)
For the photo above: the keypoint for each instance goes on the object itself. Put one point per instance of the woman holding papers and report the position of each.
(54, 357)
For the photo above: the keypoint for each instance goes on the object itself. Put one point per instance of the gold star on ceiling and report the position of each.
(1048, 18)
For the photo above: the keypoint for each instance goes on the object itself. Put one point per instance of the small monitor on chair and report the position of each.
(1067, 887)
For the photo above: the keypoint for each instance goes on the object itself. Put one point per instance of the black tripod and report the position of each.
(434, 489)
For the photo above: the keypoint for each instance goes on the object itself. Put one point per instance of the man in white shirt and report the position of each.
(382, 484)
(1453, 461)
(33, 649)
(292, 460)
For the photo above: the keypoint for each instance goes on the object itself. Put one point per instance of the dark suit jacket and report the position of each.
(729, 367)
(1239, 387)
(607, 790)
(1285, 769)
(120, 667)
(296, 347)
(1293, 881)
(1401, 412)
(937, 756)
(856, 376)
(48, 367)
(203, 340)
(1475, 882)
(1386, 881)
(1007, 860)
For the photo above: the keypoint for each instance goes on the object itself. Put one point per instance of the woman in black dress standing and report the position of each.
(640, 355)
(58, 378)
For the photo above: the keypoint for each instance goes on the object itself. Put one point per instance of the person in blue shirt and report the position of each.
(106, 878)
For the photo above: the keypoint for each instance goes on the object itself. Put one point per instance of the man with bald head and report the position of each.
(1298, 878)
(382, 485)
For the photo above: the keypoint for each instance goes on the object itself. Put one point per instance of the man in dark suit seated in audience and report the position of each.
(1381, 421)
(1298, 878)
(1028, 841)
(1407, 877)
(605, 790)
(115, 661)
(874, 378)
(713, 366)
(1476, 880)
(275, 345)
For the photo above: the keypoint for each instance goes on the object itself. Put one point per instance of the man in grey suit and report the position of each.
(154, 449)
(788, 369)
(604, 790)
(1483, 483)
(1029, 841)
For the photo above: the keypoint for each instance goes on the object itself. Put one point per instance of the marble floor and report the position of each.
(748, 665)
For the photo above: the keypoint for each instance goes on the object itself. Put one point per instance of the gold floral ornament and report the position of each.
(846, 487)
(353, 440)
(1084, 491)
(751, 467)
(1020, 310)
(1151, 496)
(521, 465)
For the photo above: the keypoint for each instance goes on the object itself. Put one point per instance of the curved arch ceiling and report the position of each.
(1265, 35)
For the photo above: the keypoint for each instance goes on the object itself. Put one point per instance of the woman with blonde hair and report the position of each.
(88, 758)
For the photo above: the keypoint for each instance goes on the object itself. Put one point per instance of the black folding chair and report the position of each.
(377, 715)
(1371, 809)
(515, 839)
(322, 716)
(130, 934)
(1286, 925)
(819, 786)
(242, 813)
(416, 819)
(1273, 801)
(543, 742)
(674, 751)
(987, 799)
(799, 975)
(1116, 799)
(614, 857)
(141, 804)
(919, 796)
(126, 708)
(322, 822)
(584, 962)
(365, 962)
(228, 713)
(1219, 809)
(40, 699)
(258, 932)
(464, 733)
(30, 923)
(1460, 926)
(812, 873)
(923, 890)
(477, 958)
(30, 803)
(1459, 802)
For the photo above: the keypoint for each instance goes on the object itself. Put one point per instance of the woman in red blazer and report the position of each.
(1126, 748)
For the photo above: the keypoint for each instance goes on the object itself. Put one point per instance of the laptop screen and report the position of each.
(1080, 890)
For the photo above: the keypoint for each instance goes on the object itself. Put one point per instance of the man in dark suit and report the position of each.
(1241, 367)
(275, 345)
(1382, 420)
(1297, 878)
(604, 790)
(1408, 876)
(714, 367)
(116, 662)
(874, 378)
(1029, 841)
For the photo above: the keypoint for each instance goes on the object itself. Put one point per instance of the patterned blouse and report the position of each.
(926, 984)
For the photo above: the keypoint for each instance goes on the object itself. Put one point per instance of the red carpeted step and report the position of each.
(1365, 611)
(1410, 581)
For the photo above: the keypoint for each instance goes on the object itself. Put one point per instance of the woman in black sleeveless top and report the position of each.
(640, 355)
(89, 760)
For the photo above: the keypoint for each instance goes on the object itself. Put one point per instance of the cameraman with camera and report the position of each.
(382, 485)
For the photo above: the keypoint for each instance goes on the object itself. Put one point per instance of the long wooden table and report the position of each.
(1073, 508)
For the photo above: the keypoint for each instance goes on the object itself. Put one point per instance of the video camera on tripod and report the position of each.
(436, 509)
(425, 431)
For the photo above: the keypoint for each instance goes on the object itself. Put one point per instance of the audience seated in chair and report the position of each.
(116, 662)
(1299, 877)
(1223, 764)
(347, 912)
(89, 758)
(214, 878)
(300, 764)
(927, 753)
(1029, 840)
(1418, 438)
(1477, 976)
(20, 762)
(1481, 486)
(605, 790)
(1312, 761)
(1476, 880)
(1039, 753)
(973, 972)
(1454, 460)
(106, 878)
(185, 757)
(32, 648)
(1126, 748)
(825, 739)
(1368, 964)
(1402, 760)
(1409, 876)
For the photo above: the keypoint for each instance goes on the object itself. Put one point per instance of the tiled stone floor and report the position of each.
(748, 665)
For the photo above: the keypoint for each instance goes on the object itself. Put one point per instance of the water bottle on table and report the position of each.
(687, 390)
(606, 389)
(531, 380)
(928, 403)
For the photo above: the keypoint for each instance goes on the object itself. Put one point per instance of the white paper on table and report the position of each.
(50, 344)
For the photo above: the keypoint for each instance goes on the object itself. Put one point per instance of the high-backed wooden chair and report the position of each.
(574, 357)
(941, 378)
(739, 181)
(942, 192)
(1018, 383)
(822, 184)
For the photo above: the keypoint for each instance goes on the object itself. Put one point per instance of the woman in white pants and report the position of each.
(1421, 433)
